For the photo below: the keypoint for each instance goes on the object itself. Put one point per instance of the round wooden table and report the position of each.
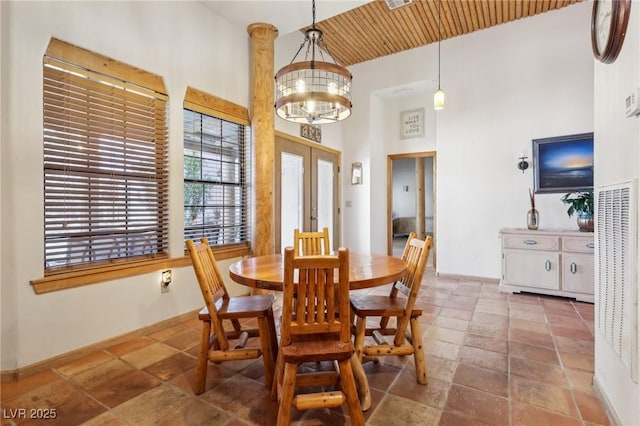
(365, 271)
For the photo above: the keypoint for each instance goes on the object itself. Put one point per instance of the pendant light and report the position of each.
(438, 96)
(313, 91)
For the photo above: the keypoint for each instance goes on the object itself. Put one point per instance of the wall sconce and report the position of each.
(523, 164)
(166, 278)
(356, 173)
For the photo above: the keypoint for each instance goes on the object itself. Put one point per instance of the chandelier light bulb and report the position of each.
(311, 107)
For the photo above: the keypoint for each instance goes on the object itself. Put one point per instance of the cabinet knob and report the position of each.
(530, 242)
(547, 265)
(573, 267)
(590, 245)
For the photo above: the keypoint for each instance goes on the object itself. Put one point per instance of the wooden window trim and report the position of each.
(86, 276)
(205, 103)
(104, 65)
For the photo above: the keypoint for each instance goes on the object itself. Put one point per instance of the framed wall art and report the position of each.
(412, 123)
(563, 163)
(311, 132)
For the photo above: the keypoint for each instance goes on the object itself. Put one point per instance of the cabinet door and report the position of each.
(577, 272)
(532, 269)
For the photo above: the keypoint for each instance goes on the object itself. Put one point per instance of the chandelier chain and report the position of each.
(313, 13)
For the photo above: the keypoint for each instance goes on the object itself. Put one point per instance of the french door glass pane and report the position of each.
(292, 192)
(325, 195)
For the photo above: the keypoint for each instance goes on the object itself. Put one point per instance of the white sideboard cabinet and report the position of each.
(558, 263)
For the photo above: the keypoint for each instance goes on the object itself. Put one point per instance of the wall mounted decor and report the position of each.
(311, 132)
(356, 173)
(563, 163)
(412, 123)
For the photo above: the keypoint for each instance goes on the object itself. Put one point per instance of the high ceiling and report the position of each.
(360, 30)
(373, 30)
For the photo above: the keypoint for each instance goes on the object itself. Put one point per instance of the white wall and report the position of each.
(617, 159)
(404, 175)
(505, 86)
(181, 41)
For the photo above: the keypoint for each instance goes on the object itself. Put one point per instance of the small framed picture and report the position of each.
(412, 123)
(311, 132)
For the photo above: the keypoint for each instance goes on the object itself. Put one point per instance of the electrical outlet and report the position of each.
(164, 288)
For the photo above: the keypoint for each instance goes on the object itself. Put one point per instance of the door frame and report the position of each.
(337, 232)
(390, 158)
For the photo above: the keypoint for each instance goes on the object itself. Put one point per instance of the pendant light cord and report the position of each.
(439, 39)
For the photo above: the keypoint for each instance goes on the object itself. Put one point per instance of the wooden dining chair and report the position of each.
(221, 310)
(315, 328)
(402, 308)
(311, 242)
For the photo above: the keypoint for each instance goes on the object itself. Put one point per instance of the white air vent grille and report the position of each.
(394, 4)
(616, 283)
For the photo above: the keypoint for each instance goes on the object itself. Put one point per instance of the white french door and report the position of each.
(306, 195)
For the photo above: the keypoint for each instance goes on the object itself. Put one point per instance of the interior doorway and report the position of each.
(411, 200)
(306, 190)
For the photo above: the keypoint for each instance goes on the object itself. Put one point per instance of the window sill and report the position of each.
(66, 280)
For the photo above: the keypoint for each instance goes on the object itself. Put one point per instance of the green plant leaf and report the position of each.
(580, 201)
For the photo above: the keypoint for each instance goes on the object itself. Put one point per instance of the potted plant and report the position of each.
(581, 203)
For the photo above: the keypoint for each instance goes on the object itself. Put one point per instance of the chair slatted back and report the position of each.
(311, 242)
(211, 284)
(317, 303)
(415, 255)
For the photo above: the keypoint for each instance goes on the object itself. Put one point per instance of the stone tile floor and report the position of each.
(492, 359)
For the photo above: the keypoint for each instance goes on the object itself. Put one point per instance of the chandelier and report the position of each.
(313, 91)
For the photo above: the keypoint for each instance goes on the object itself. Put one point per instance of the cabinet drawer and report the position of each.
(578, 245)
(531, 242)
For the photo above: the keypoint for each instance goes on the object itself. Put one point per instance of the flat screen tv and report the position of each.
(563, 163)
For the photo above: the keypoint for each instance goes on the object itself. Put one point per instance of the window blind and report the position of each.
(105, 168)
(216, 176)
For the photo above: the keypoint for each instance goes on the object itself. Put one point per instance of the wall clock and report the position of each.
(609, 19)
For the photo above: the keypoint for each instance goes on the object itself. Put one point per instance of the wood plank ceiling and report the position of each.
(373, 30)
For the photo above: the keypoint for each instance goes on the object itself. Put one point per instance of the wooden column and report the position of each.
(263, 132)
(420, 197)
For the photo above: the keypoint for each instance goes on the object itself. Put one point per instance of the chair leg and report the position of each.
(384, 322)
(358, 344)
(203, 357)
(362, 383)
(267, 355)
(418, 351)
(273, 335)
(347, 380)
(236, 325)
(286, 397)
(277, 377)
